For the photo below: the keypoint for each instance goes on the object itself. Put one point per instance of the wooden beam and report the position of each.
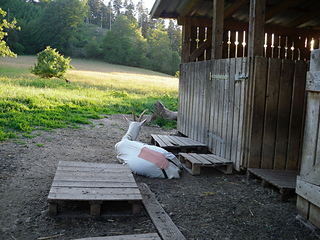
(199, 50)
(217, 29)
(314, 13)
(256, 28)
(190, 7)
(231, 9)
(282, 5)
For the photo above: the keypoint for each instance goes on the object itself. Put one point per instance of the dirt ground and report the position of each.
(209, 206)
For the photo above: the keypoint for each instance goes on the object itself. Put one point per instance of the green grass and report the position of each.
(97, 88)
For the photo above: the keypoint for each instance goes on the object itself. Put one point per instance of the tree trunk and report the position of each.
(163, 112)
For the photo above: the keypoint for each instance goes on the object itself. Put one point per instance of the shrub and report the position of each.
(51, 64)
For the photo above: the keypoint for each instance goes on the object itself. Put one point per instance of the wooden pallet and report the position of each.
(193, 162)
(284, 181)
(97, 185)
(177, 144)
(146, 236)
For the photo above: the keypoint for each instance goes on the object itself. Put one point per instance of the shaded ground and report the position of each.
(210, 206)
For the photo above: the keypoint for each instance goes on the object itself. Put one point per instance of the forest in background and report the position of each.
(119, 32)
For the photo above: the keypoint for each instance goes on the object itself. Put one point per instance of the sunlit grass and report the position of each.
(97, 88)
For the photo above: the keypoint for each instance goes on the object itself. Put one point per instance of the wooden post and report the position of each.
(186, 37)
(255, 48)
(217, 29)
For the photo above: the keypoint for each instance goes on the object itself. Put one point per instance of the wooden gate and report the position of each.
(212, 96)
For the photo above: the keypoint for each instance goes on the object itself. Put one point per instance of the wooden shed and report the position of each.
(242, 87)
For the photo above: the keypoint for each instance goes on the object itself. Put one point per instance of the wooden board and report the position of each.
(283, 180)
(193, 162)
(165, 226)
(177, 144)
(94, 183)
(146, 236)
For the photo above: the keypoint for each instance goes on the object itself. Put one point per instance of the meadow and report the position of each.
(96, 89)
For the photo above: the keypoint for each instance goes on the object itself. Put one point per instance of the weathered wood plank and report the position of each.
(200, 158)
(271, 112)
(311, 132)
(296, 118)
(165, 226)
(146, 236)
(308, 191)
(244, 118)
(207, 100)
(285, 94)
(260, 78)
(158, 140)
(93, 183)
(225, 120)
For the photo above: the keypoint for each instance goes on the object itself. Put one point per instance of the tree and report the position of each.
(159, 53)
(4, 49)
(60, 23)
(51, 64)
(124, 44)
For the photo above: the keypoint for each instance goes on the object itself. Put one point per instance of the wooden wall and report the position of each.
(214, 102)
(278, 108)
(308, 183)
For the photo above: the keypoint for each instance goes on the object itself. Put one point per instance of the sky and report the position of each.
(146, 3)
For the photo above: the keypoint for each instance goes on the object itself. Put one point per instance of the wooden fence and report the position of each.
(216, 108)
(308, 183)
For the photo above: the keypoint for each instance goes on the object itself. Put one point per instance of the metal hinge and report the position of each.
(218, 77)
(241, 77)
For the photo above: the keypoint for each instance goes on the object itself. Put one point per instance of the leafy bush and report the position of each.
(51, 64)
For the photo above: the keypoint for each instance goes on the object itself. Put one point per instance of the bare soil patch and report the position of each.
(209, 206)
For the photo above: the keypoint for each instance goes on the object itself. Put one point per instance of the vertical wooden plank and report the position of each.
(191, 113)
(217, 28)
(212, 106)
(201, 40)
(209, 50)
(303, 207)
(314, 216)
(221, 103)
(188, 98)
(270, 120)
(244, 86)
(311, 132)
(255, 48)
(260, 78)
(225, 120)
(201, 114)
(193, 40)
(208, 100)
(230, 111)
(180, 97)
(196, 104)
(285, 94)
(296, 118)
(216, 89)
(236, 112)
(186, 36)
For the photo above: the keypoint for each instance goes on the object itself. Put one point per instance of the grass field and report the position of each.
(97, 88)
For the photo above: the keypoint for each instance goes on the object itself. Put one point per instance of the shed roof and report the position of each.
(284, 13)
